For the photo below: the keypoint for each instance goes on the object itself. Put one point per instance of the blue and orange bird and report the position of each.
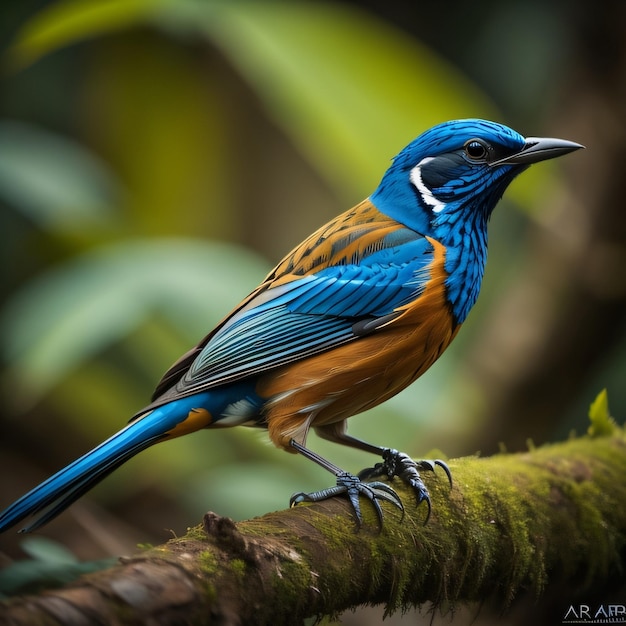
(346, 320)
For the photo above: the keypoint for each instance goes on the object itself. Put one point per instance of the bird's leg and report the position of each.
(394, 463)
(347, 484)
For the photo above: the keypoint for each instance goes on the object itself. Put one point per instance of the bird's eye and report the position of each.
(476, 150)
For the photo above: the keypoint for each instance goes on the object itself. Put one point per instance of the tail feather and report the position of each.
(56, 493)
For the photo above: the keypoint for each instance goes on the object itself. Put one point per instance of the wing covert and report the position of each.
(342, 282)
(307, 315)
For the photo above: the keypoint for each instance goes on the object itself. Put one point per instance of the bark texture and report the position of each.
(549, 522)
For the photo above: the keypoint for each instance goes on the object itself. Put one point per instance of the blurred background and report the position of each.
(157, 157)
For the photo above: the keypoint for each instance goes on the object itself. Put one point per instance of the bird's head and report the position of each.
(457, 171)
(446, 183)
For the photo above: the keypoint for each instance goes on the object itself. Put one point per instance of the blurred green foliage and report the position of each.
(602, 424)
(57, 184)
(50, 566)
(137, 213)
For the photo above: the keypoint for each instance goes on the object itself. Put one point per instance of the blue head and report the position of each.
(446, 183)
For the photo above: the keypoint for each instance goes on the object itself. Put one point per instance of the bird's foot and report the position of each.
(404, 467)
(352, 486)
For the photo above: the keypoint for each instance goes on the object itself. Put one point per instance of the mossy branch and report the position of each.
(512, 523)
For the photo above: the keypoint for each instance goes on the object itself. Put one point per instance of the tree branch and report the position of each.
(549, 519)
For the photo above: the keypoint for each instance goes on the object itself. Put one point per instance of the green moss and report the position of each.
(238, 567)
(261, 527)
(487, 515)
(334, 530)
(196, 533)
(209, 565)
(208, 562)
(288, 581)
(540, 509)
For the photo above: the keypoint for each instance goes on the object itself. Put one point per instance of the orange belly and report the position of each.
(334, 385)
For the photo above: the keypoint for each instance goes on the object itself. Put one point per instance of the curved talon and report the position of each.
(352, 486)
(431, 465)
(373, 472)
(404, 467)
(444, 466)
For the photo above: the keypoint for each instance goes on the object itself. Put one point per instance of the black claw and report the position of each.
(404, 467)
(445, 468)
(353, 487)
(432, 465)
(429, 511)
(372, 472)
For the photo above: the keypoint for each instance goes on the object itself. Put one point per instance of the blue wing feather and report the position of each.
(310, 314)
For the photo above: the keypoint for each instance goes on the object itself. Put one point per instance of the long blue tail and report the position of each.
(60, 490)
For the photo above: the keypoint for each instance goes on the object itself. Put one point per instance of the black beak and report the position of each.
(539, 149)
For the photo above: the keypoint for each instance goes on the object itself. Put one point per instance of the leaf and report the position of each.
(100, 297)
(350, 89)
(63, 23)
(602, 424)
(51, 565)
(29, 577)
(54, 181)
(45, 550)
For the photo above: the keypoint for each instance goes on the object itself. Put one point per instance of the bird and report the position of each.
(346, 320)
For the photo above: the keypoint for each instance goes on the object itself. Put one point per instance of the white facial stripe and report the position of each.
(426, 194)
